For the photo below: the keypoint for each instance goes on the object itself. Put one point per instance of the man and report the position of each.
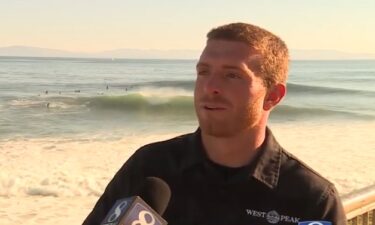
(231, 171)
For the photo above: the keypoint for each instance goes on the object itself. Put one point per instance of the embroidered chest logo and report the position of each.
(272, 217)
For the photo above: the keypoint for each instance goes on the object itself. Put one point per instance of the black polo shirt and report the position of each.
(276, 188)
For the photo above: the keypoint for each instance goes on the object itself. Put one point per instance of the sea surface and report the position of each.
(70, 97)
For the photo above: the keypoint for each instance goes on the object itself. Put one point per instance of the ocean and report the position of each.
(46, 97)
(67, 125)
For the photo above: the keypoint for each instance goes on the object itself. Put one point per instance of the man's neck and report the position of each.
(235, 151)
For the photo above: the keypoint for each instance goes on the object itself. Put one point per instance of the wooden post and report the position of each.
(365, 218)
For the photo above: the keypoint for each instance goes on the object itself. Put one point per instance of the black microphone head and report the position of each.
(156, 193)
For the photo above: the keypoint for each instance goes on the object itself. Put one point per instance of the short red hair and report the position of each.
(274, 60)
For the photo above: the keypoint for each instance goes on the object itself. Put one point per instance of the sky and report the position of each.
(97, 25)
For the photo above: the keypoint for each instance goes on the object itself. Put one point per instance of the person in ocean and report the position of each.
(231, 170)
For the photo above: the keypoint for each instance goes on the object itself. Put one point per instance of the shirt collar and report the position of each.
(195, 153)
(266, 167)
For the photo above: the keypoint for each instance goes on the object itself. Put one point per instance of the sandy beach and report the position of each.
(58, 181)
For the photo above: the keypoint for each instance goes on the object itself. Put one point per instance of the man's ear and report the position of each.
(274, 95)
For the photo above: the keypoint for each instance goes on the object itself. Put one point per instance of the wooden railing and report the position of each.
(360, 206)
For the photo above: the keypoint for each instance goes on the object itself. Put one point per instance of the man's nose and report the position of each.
(213, 85)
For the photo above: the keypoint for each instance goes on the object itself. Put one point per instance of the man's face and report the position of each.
(228, 96)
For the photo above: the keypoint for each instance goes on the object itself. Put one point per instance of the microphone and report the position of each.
(135, 211)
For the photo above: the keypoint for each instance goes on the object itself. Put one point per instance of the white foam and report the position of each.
(58, 105)
(26, 102)
(166, 92)
(62, 167)
(58, 181)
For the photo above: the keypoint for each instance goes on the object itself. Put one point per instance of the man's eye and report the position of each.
(202, 73)
(233, 76)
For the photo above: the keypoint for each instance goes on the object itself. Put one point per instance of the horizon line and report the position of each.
(158, 49)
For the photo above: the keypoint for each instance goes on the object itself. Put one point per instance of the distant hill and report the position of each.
(296, 54)
(149, 53)
(27, 51)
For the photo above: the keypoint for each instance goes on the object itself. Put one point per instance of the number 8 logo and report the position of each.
(142, 218)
